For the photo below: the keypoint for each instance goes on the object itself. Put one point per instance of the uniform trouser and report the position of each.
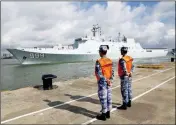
(105, 96)
(126, 88)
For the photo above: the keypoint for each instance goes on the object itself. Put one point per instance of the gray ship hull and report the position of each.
(31, 57)
(25, 57)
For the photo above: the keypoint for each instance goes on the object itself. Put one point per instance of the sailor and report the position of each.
(104, 73)
(125, 69)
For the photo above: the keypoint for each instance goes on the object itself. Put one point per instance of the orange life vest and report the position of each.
(106, 67)
(128, 63)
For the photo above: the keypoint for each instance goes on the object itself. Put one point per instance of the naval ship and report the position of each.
(85, 49)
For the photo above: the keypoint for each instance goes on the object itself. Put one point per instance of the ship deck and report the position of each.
(76, 101)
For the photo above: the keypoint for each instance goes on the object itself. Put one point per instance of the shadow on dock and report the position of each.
(89, 99)
(71, 108)
(85, 99)
(76, 109)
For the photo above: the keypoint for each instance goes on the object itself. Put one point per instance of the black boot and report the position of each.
(129, 103)
(101, 117)
(123, 107)
(108, 114)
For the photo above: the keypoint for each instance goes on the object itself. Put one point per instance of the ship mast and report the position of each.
(119, 37)
(124, 39)
(95, 29)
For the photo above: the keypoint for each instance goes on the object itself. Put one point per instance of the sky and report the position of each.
(30, 24)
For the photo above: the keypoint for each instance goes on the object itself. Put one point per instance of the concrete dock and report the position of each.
(76, 101)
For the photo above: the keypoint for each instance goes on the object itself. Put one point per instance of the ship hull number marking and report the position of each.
(37, 55)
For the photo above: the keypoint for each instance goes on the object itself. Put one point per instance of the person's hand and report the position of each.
(130, 74)
(126, 74)
(109, 82)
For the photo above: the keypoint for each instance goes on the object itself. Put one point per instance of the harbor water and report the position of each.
(15, 76)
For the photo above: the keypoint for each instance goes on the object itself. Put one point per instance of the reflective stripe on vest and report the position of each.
(106, 68)
(128, 63)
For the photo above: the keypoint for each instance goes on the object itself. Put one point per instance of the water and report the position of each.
(14, 75)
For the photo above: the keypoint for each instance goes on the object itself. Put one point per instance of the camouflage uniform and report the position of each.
(126, 81)
(104, 91)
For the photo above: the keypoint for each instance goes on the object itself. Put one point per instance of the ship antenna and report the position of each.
(97, 28)
(119, 37)
(93, 30)
(100, 31)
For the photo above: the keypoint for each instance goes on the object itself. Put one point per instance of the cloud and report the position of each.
(29, 24)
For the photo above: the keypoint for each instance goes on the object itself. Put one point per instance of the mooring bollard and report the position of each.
(172, 59)
(47, 81)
